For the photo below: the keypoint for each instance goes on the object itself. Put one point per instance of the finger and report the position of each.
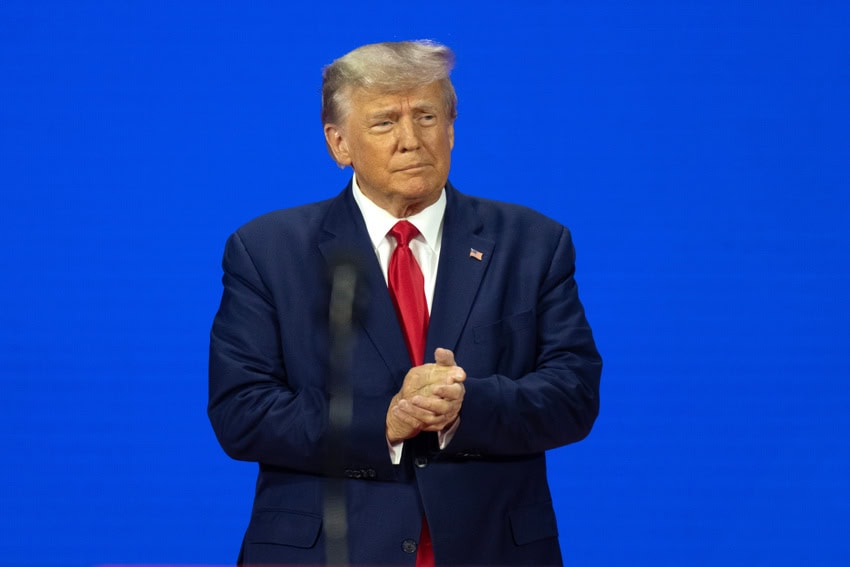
(444, 357)
(421, 406)
(455, 375)
(404, 413)
(439, 414)
(449, 392)
(401, 426)
(429, 412)
(442, 426)
(416, 409)
(436, 423)
(439, 422)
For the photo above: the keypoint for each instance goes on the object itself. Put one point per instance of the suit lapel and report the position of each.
(346, 237)
(464, 258)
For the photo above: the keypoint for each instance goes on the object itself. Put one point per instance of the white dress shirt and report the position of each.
(426, 245)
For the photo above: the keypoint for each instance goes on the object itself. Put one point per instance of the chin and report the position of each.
(422, 190)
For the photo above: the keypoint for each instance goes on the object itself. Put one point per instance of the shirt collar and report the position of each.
(379, 221)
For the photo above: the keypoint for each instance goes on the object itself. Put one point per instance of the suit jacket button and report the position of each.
(408, 546)
(421, 462)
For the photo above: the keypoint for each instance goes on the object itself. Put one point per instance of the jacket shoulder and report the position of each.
(288, 223)
(510, 218)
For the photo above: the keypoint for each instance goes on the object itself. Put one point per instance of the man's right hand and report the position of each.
(430, 398)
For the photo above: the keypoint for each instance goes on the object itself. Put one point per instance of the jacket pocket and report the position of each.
(533, 523)
(284, 527)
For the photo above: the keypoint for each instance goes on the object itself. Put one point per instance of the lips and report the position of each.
(413, 166)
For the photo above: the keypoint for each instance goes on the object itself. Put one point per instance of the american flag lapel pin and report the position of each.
(477, 254)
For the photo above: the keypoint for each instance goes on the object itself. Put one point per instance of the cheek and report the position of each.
(373, 161)
(445, 141)
(444, 150)
(376, 153)
(363, 153)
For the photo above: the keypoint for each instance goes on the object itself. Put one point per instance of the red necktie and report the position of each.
(407, 289)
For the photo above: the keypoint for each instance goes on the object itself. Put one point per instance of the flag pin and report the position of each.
(477, 254)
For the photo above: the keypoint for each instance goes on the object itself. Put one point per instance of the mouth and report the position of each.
(413, 167)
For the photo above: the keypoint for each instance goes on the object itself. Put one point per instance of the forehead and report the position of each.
(370, 100)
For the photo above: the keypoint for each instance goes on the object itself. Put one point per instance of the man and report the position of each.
(472, 356)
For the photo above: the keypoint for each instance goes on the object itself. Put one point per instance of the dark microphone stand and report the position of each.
(344, 276)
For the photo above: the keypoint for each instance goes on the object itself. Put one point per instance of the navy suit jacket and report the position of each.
(515, 323)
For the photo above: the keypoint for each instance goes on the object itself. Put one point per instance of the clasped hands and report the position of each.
(429, 400)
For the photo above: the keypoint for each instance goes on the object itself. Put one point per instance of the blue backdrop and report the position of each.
(698, 150)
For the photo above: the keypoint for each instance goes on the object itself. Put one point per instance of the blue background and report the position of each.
(698, 150)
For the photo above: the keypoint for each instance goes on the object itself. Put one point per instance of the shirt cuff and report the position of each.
(445, 437)
(395, 451)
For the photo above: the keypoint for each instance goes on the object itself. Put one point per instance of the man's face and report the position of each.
(398, 144)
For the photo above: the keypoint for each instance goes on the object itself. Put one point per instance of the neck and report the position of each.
(402, 208)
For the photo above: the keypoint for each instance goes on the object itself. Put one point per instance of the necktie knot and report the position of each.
(403, 232)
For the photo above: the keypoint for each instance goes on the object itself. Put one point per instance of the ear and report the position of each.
(451, 135)
(337, 145)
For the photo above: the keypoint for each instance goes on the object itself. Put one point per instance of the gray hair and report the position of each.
(386, 67)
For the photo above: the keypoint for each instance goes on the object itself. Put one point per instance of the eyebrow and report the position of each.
(417, 106)
(424, 106)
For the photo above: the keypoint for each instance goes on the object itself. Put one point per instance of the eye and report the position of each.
(382, 125)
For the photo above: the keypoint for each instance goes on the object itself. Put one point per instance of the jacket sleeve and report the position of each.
(257, 410)
(555, 400)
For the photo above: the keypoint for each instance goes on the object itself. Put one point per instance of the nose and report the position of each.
(408, 137)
